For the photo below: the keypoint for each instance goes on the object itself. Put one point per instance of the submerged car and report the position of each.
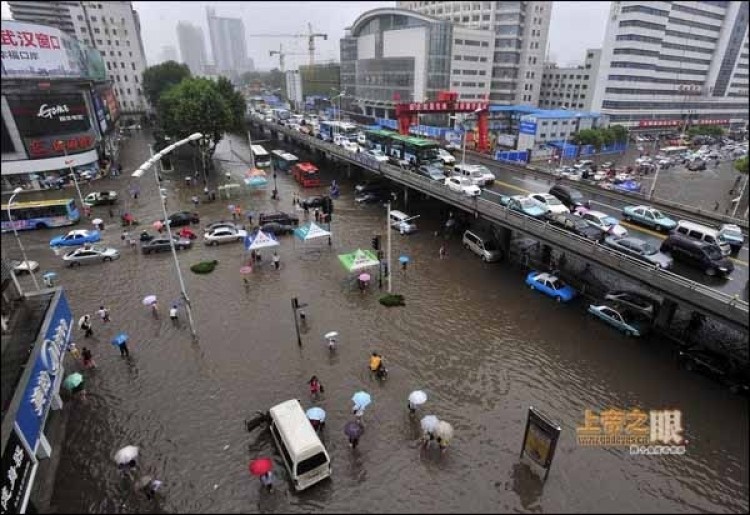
(183, 218)
(90, 254)
(76, 237)
(223, 235)
(550, 285)
(640, 249)
(161, 243)
(276, 228)
(634, 301)
(628, 323)
(649, 217)
(24, 267)
(718, 366)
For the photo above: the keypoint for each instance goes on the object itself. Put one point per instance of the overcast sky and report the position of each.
(575, 27)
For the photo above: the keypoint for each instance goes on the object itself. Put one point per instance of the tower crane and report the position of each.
(310, 39)
(280, 52)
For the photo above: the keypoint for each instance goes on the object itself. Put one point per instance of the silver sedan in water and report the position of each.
(640, 249)
(90, 254)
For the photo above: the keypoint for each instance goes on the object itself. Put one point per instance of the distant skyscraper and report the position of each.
(168, 53)
(192, 47)
(227, 44)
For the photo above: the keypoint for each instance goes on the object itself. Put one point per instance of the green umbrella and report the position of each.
(73, 381)
(359, 260)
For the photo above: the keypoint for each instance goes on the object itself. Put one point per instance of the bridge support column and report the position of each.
(503, 236)
(547, 255)
(348, 170)
(406, 197)
(666, 314)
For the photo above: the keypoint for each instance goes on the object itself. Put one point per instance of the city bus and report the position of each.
(40, 214)
(306, 174)
(283, 161)
(412, 150)
(328, 129)
(378, 139)
(260, 156)
(673, 151)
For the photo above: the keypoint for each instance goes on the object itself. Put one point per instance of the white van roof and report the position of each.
(298, 434)
(698, 227)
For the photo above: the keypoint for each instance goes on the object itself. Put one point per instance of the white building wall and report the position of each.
(366, 47)
(471, 63)
(409, 43)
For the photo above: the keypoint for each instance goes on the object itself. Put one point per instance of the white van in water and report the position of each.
(303, 453)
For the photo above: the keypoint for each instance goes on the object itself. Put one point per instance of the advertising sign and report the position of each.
(540, 439)
(17, 465)
(32, 51)
(49, 115)
(527, 126)
(40, 388)
(101, 112)
(52, 146)
(108, 96)
(506, 140)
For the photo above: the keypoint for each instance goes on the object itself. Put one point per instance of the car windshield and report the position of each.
(576, 196)
(581, 225)
(734, 233)
(556, 284)
(657, 214)
(376, 152)
(552, 201)
(608, 220)
(527, 203)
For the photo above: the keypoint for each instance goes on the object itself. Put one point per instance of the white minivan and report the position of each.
(303, 453)
(703, 233)
(402, 222)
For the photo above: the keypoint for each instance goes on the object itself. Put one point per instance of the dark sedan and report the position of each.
(374, 196)
(276, 228)
(162, 243)
(313, 202)
(575, 225)
(183, 218)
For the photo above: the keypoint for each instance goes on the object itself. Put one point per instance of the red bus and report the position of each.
(307, 174)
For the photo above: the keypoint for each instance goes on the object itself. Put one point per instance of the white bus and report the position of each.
(673, 151)
(260, 156)
(283, 161)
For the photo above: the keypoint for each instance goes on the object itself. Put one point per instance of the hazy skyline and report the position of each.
(575, 26)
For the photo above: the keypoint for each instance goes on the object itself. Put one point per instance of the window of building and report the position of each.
(475, 17)
(465, 19)
(106, 30)
(133, 65)
(128, 88)
(135, 78)
(118, 78)
(96, 30)
(109, 42)
(86, 42)
(80, 17)
(108, 66)
(458, 41)
(456, 57)
(98, 41)
(117, 42)
(482, 59)
(485, 17)
(127, 42)
(122, 65)
(93, 18)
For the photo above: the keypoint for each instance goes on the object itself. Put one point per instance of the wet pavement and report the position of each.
(481, 345)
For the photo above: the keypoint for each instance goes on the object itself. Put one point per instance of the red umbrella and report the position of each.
(260, 466)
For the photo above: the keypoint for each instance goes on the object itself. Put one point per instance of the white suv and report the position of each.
(446, 157)
(463, 185)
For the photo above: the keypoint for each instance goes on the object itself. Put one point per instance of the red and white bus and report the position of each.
(306, 174)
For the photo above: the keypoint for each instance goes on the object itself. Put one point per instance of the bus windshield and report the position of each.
(40, 214)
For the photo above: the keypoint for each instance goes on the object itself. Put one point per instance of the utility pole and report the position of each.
(388, 256)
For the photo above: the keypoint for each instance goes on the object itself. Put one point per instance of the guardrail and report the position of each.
(678, 210)
(697, 296)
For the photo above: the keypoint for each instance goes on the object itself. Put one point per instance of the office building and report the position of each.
(113, 28)
(518, 47)
(393, 55)
(228, 46)
(168, 53)
(571, 87)
(192, 47)
(666, 65)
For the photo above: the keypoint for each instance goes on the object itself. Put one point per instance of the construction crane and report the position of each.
(310, 39)
(280, 52)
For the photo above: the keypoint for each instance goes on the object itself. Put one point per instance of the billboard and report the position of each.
(101, 113)
(527, 126)
(29, 50)
(49, 114)
(110, 100)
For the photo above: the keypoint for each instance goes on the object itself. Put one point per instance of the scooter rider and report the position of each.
(376, 365)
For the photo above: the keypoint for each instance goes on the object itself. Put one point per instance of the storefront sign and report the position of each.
(30, 50)
(540, 439)
(101, 112)
(527, 127)
(49, 115)
(53, 146)
(446, 106)
(108, 95)
(40, 388)
(17, 465)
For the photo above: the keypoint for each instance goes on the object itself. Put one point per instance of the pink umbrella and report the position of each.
(364, 277)
(158, 225)
(246, 270)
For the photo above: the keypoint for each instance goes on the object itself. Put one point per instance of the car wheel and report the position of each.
(40, 225)
(466, 246)
(710, 272)
(106, 258)
(531, 286)
(75, 263)
(180, 247)
(214, 243)
(626, 218)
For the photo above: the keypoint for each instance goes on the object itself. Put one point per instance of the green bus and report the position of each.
(409, 150)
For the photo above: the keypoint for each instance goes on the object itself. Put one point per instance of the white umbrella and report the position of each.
(332, 334)
(444, 431)
(417, 397)
(81, 321)
(97, 221)
(148, 300)
(429, 423)
(126, 454)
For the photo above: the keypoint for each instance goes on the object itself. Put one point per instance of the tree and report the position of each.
(235, 101)
(195, 105)
(589, 137)
(741, 165)
(157, 79)
(608, 137)
(619, 132)
(705, 130)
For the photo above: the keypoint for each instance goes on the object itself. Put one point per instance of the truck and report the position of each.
(99, 198)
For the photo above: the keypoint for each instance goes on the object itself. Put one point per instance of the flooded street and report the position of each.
(481, 344)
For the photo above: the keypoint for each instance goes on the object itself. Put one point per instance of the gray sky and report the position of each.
(575, 26)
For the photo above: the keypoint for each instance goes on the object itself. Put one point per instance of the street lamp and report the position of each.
(138, 173)
(340, 95)
(69, 162)
(15, 232)
(463, 129)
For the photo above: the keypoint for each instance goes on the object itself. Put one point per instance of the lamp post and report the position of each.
(138, 173)
(340, 95)
(15, 232)
(463, 129)
(69, 162)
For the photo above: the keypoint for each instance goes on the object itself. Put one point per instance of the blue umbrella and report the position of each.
(49, 275)
(361, 399)
(316, 413)
(120, 339)
(353, 429)
(403, 259)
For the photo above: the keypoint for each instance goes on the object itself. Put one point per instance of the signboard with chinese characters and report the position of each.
(110, 101)
(17, 466)
(49, 115)
(540, 439)
(527, 126)
(53, 146)
(39, 390)
(101, 112)
(31, 51)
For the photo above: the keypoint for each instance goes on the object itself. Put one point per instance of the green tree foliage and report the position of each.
(195, 105)
(608, 137)
(619, 133)
(157, 79)
(589, 137)
(705, 130)
(741, 165)
(235, 101)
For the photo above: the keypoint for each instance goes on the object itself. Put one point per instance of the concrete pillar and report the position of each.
(406, 197)
(666, 314)
(547, 255)
(504, 236)
(348, 170)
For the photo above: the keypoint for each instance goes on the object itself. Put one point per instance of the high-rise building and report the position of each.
(570, 87)
(227, 44)
(168, 53)
(665, 65)
(192, 47)
(112, 28)
(520, 41)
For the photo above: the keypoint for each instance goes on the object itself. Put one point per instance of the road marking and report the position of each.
(518, 188)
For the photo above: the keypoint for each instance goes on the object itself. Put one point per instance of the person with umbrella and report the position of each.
(263, 468)
(443, 435)
(416, 398)
(88, 359)
(429, 425)
(317, 418)
(121, 341)
(126, 460)
(149, 486)
(74, 383)
(353, 430)
(85, 324)
(316, 388)
(361, 400)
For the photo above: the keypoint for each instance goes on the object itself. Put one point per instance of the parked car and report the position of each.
(482, 245)
(224, 235)
(24, 267)
(634, 301)
(640, 249)
(376, 154)
(446, 157)
(375, 196)
(527, 206)
(436, 173)
(402, 222)
(696, 165)
(602, 221)
(463, 185)
(98, 198)
(276, 228)
(628, 323)
(575, 225)
(279, 217)
(718, 366)
(572, 198)
(550, 285)
(90, 254)
(183, 218)
(700, 254)
(75, 237)
(313, 202)
(648, 216)
(162, 243)
(732, 235)
(479, 174)
(627, 186)
(371, 184)
(551, 202)
(223, 223)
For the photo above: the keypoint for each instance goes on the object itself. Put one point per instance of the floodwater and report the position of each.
(481, 345)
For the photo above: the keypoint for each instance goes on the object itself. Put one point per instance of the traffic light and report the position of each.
(376, 242)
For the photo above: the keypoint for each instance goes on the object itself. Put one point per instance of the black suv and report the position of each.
(700, 254)
(576, 225)
(572, 198)
(278, 217)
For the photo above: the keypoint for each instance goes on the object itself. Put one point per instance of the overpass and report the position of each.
(675, 288)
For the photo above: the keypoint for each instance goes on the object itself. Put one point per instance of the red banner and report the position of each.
(52, 146)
